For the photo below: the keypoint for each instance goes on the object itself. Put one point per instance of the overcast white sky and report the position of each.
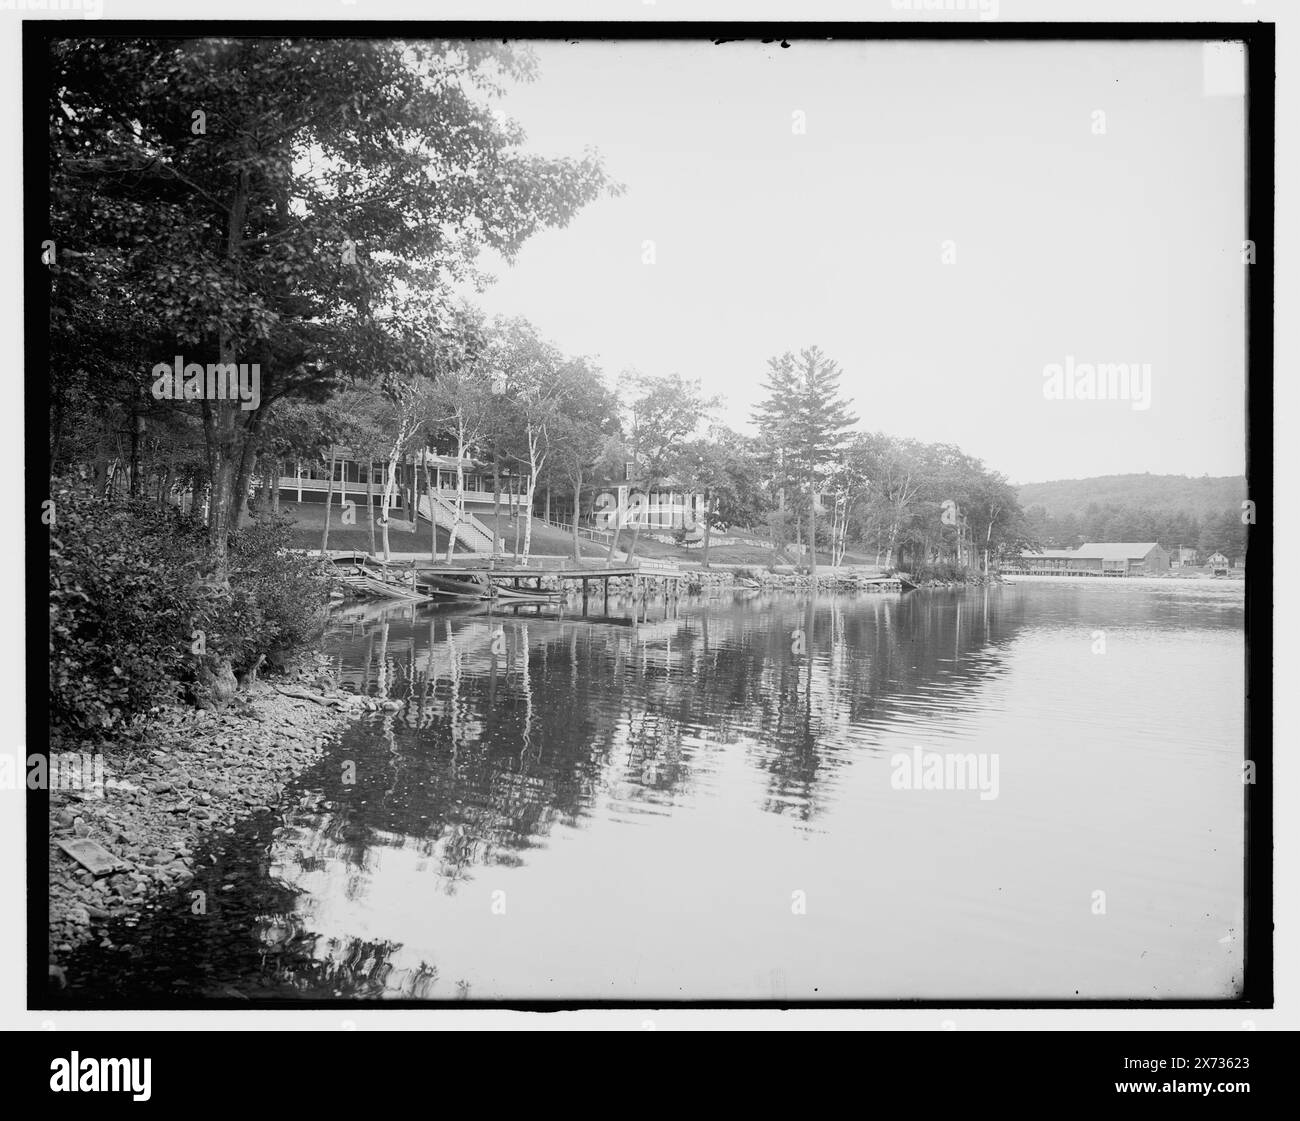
(1122, 247)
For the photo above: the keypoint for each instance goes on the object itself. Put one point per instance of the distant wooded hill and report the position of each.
(1206, 495)
(1175, 510)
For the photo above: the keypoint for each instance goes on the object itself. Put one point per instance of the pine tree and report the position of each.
(804, 422)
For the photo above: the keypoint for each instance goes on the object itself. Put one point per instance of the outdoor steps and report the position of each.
(470, 532)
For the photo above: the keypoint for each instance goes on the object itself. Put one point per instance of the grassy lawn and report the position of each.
(309, 518)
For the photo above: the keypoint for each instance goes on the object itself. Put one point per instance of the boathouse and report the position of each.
(1096, 558)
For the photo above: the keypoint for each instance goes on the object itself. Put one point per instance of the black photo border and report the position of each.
(1259, 38)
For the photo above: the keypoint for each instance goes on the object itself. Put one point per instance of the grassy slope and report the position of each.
(547, 540)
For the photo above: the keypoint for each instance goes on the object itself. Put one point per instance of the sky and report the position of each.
(947, 221)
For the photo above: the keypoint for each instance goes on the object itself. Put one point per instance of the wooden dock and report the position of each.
(370, 585)
(403, 577)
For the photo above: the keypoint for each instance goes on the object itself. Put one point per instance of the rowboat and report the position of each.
(454, 587)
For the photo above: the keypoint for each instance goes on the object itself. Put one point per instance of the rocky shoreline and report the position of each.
(714, 581)
(185, 777)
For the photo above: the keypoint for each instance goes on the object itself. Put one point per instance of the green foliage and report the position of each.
(272, 200)
(1197, 496)
(121, 610)
(803, 419)
(287, 594)
(130, 584)
(1173, 510)
(940, 572)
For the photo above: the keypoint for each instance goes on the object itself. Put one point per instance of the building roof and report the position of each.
(1117, 550)
(1101, 550)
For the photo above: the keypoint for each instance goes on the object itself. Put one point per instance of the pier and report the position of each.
(401, 579)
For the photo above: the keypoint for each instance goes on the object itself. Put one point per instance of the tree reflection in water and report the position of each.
(515, 724)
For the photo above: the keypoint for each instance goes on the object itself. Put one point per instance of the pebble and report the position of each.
(227, 776)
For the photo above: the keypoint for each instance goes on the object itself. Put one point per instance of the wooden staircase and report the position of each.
(470, 532)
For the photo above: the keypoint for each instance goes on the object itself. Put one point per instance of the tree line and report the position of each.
(312, 207)
(1223, 531)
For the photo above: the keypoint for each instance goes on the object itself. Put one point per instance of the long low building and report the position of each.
(1095, 558)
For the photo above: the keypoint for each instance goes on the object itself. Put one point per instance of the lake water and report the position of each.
(715, 803)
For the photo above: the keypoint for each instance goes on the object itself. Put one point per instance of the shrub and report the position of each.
(945, 572)
(131, 583)
(121, 607)
(284, 587)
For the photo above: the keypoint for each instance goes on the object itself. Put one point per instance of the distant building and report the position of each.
(1218, 564)
(1182, 555)
(1096, 558)
(353, 475)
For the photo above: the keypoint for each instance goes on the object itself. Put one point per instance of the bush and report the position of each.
(944, 572)
(121, 608)
(285, 588)
(131, 583)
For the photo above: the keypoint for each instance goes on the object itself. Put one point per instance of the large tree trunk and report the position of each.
(220, 417)
(528, 517)
(812, 537)
(165, 487)
(534, 465)
(370, 501)
(433, 521)
(264, 491)
(460, 495)
(708, 526)
(244, 473)
(613, 540)
(219, 491)
(329, 500)
(577, 499)
(642, 516)
(390, 485)
(514, 515)
(414, 489)
(137, 427)
(496, 507)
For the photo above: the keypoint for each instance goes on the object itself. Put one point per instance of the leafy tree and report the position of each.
(664, 411)
(536, 381)
(582, 426)
(266, 199)
(726, 469)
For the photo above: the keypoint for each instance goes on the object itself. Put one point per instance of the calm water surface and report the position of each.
(688, 808)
